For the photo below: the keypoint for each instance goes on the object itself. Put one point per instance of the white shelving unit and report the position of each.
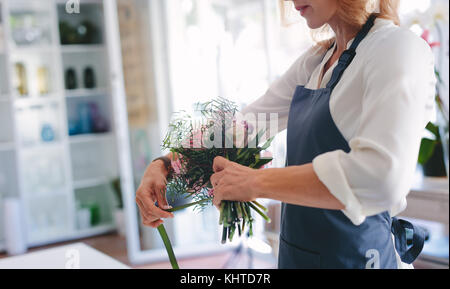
(58, 145)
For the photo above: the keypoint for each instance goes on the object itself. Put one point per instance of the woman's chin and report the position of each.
(312, 24)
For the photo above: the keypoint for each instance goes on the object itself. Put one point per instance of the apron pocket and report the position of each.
(293, 257)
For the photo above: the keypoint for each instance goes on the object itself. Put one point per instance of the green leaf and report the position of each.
(257, 138)
(261, 162)
(434, 129)
(438, 76)
(267, 144)
(188, 205)
(427, 147)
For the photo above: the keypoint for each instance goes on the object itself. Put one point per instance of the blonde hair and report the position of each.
(354, 13)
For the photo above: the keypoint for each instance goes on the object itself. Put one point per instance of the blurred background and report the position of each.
(87, 89)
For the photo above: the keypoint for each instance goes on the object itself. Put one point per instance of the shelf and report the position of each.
(92, 159)
(429, 186)
(49, 177)
(428, 200)
(41, 146)
(78, 234)
(96, 230)
(27, 5)
(45, 195)
(83, 92)
(91, 137)
(33, 101)
(90, 183)
(83, 48)
(32, 49)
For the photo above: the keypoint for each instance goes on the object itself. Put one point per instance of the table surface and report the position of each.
(73, 256)
(431, 185)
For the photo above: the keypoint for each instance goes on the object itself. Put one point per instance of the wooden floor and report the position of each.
(115, 246)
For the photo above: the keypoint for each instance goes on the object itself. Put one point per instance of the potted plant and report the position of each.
(119, 215)
(433, 154)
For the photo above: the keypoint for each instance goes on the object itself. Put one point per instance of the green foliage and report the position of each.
(117, 192)
(427, 145)
(434, 129)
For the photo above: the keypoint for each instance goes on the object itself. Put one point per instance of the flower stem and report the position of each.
(224, 234)
(222, 205)
(260, 206)
(188, 205)
(259, 212)
(168, 245)
(165, 237)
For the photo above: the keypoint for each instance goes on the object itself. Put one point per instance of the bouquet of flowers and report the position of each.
(195, 142)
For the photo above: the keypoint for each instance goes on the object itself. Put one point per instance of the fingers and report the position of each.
(148, 207)
(151, 215)
(154, 224)
(215, 181)
(142, 210)
(222, 193)
(151, 190)
(155, 211)
(160, 194)
(216, 177)
(217, 199)
(219, 163)
(148, 219)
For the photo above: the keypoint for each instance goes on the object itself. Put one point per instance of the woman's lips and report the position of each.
(302, 9)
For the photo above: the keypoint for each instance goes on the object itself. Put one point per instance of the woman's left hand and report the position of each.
(232, 181)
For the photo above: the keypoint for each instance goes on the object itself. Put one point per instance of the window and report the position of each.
(228, 48)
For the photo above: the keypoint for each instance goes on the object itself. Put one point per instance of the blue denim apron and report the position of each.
(320, 238)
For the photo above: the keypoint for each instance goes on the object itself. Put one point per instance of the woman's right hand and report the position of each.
(153, 189)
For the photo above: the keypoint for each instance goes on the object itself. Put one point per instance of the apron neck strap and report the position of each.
(347, 56)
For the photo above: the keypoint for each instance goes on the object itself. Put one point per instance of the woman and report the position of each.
(354, 108)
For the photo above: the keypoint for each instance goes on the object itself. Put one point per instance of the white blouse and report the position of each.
(381, 106)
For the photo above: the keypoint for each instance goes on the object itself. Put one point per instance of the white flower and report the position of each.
(414, 18)
(438, 11)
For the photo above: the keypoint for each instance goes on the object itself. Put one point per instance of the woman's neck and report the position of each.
(344, 33)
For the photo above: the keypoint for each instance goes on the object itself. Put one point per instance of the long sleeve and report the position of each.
(397, 102)
(277, 98)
